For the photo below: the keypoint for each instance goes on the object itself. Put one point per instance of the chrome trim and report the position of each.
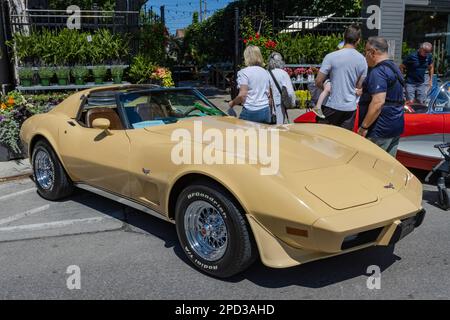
(120, 199)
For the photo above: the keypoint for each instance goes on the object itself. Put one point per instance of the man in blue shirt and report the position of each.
(381, 104)
(418, 83)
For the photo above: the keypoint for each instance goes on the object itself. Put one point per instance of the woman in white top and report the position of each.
(253, 83)
(276, 65)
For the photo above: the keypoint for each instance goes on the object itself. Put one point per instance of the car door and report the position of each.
(94, 156)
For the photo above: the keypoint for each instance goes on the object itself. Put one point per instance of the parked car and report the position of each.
(334, 192)
(426, 125)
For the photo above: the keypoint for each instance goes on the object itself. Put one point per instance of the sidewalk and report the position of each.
(14, 168)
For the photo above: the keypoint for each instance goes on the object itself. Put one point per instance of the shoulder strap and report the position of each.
(276, 82)
(389, 65)
(397, 76)
(281, 94)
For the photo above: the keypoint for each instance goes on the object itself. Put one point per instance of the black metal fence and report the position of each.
(36, 19)
(323, 25)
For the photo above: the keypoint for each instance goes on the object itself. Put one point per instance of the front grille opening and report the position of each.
(361, 238)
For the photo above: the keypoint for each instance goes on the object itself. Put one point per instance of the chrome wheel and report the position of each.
(205, 230)
(44, 170)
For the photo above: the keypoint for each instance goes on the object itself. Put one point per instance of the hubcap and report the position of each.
(205, 230)
(44, 170)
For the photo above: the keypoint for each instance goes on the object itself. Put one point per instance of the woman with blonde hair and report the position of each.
(253, 83)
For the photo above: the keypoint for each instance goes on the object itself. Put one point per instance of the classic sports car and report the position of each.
(334, 192)
(426, 125)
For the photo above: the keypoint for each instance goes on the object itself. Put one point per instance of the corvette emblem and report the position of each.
(389, 186)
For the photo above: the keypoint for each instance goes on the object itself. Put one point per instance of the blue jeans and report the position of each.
(261, 115)
(387, 144)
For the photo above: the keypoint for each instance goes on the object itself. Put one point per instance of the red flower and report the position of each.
(257, 36)
(245, 41)
(250, 39)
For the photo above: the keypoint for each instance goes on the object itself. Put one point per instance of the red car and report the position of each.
(425, 126)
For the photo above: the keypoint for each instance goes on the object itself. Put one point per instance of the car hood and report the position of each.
(299, 149)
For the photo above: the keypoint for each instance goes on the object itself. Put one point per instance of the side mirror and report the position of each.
(102, 124)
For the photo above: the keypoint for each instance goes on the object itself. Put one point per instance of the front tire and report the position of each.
(213, 231)
(49, 175)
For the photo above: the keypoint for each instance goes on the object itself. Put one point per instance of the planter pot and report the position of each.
(98, 80)
(26, 82)
(79, 81)
(45, 82)
(63, 81)
(6, 154)
(117, 80)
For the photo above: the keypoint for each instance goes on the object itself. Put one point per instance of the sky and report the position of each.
(179, 12)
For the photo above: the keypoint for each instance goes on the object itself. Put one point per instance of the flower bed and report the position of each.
(15, 108)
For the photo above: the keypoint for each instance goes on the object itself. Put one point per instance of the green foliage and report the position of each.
(195, 17)
(80, 72)
(46, 72)
(26, 73)
(99, 71)
(211, 40)
(406, 50)
(83, 4)
(14, 110)
(69, 46)
(62, 72)
(141, 69)
(153, 38)
(307, 48)
(116, 71)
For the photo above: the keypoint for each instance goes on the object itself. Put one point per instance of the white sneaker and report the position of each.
(318, 113)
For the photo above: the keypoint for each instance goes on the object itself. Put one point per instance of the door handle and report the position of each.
(71, 123)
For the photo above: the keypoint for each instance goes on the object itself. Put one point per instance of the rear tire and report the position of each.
(213, 231)
(51, 179)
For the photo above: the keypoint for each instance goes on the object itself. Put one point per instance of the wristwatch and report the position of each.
(362, 127)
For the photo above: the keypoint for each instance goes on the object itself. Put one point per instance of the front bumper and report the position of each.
(276, 253)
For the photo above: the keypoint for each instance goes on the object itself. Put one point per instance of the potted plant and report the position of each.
(117, 73)
(99, 73)
(163, 76)
(26, 76)
(63, 73)
(45, 74)
(80, 73)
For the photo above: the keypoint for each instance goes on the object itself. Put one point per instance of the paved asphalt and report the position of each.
(125, 254)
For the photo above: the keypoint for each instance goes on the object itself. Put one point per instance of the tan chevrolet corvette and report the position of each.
(330, 192)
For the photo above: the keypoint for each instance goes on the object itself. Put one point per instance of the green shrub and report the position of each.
(99, 71)
(117, 71)
(69, 46)
(141, 69)
(62, 72)
(46, 72)
(80, 72)
(26, 73)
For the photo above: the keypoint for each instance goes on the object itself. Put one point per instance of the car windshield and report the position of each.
(159, 107)
(442, 102)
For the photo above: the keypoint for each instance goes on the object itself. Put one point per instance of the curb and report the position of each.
(21, 176)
